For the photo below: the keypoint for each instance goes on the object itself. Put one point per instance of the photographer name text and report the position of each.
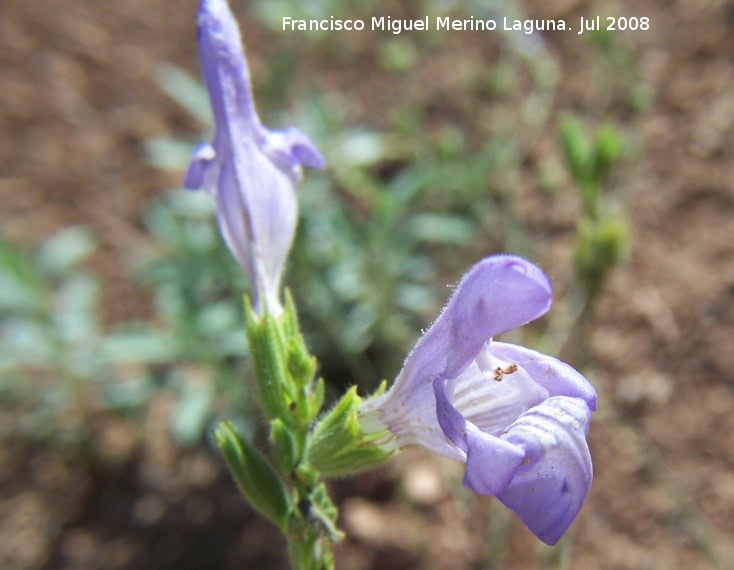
(527, 26)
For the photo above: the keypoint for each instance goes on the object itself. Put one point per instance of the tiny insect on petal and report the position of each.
(500, 372)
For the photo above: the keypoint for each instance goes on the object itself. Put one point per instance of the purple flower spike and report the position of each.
(517, 418)
(250, 172)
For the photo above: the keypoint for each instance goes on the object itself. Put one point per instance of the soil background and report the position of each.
(78, 100)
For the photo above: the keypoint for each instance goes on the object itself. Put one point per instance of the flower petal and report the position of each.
(233, 217)
(556, 376)
(201, 162)
(292, 148)
(250, 172)
(225, 69)
(490, 461)
(269, 208)
(499, 293)
(548, 491)
(492, 404)
(452, 422)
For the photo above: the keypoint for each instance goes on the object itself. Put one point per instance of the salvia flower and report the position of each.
(517, 418)
(250, 172)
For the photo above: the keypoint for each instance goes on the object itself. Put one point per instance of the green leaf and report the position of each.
(191, 413)
(256, 479)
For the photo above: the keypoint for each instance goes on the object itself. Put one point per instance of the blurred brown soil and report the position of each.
(77, 101)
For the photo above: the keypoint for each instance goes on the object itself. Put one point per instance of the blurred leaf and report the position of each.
(65, 250)
(169, 154)
(192, 412)
(576, 147)
(600, 246)
(579, 153)
(272, 12)
(608, 148)
(233, 343)
(186, 91)
(441, 228)
(26, 342)
(220, 317)
(75, 309)
(416, 298)
(191, 204)
(397, 55)
(363, 148)
(139, 345)
(128, 393)
(21, 285)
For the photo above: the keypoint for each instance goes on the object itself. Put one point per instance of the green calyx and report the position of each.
(338, 444)
(284, 368)
(286, 449)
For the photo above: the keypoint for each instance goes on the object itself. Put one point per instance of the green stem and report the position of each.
(292, 401)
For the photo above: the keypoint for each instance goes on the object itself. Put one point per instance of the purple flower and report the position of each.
(518, 418)
(250, 171)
